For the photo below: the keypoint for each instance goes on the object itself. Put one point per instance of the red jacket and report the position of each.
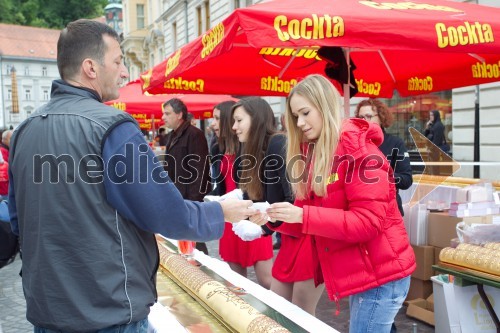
(358, 232)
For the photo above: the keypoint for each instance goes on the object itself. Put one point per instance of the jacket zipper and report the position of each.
(337, 303)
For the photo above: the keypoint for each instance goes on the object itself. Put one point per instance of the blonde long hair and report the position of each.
(326, 99)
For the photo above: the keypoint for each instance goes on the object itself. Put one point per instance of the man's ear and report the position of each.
(89, 69)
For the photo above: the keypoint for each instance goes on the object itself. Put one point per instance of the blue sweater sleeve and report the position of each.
(140, 190)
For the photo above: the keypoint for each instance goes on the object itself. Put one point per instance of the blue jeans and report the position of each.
(140, 326)
(374, 310)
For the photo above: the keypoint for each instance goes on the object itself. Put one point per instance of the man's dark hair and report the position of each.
(178, 106)
(81, 39)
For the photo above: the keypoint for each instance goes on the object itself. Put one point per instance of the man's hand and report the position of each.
(258, 218)
(286, 212)
(236, 210)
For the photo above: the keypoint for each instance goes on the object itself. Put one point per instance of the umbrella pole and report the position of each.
(347, 91)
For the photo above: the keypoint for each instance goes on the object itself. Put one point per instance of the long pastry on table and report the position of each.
(481, 258)
(235, 312)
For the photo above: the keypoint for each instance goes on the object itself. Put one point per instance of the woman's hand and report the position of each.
(286, 212)
(259, 218)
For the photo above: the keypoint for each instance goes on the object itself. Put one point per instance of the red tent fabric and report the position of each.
(413, 47)
(147, 108)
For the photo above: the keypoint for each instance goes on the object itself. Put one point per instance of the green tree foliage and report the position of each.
(49, 13)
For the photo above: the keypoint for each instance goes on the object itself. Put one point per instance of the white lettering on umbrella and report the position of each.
(465, 34)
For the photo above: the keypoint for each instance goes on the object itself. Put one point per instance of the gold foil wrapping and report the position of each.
(481, 258)
(229, 307)
(495, 246)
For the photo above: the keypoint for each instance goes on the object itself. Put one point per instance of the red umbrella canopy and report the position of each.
(414, 47)
(146, 108)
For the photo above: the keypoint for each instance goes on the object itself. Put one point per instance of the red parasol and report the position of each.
(413, 47)
(147, 108)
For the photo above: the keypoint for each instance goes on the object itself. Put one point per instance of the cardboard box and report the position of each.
(422, 310)
(419, 289)
(424, 256)
(485, 219)
(437, 250)
(441, 229)
(430, 302)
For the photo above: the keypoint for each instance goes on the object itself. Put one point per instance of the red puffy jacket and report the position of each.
(358, 232)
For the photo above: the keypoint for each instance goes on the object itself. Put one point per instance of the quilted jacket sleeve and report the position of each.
(363, 194)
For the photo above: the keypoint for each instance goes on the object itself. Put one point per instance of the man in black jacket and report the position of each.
(186, 155)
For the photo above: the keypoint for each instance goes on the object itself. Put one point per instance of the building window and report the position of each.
(140, 17)
(8, 68)
(9, 95)
(203, 17)
(207, 15)
(28, 110)
(44, 71)
(45, 94)
(26, 70)
(242, 3)
(174, 35)
(28, 94)
(199, 19)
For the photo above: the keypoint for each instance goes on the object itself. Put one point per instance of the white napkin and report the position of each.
(247, 231)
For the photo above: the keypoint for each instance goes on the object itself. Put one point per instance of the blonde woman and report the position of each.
(346, 201)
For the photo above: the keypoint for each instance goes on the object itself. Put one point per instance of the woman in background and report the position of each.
(260, 167)
(346, 202)
(237, 253)
(393, 147)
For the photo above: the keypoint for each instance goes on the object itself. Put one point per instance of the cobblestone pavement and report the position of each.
(13, 305)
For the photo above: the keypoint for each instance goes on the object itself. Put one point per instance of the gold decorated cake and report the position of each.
(480, 258)
(216, 297)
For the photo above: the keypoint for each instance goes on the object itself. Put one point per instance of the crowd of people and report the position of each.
(331, 185)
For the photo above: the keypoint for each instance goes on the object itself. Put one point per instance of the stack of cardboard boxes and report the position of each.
(440, 231)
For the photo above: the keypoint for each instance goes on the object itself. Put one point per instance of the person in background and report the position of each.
(434, 129)
(346, 201)
(87, 229)
(237, 253)
(5, 145)
(186, 155)
(161, 138)
(191, 119)
(4, 164)
(277, 244)
(393, 147)
(4, 178)
(260, 170)
(227, 144)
